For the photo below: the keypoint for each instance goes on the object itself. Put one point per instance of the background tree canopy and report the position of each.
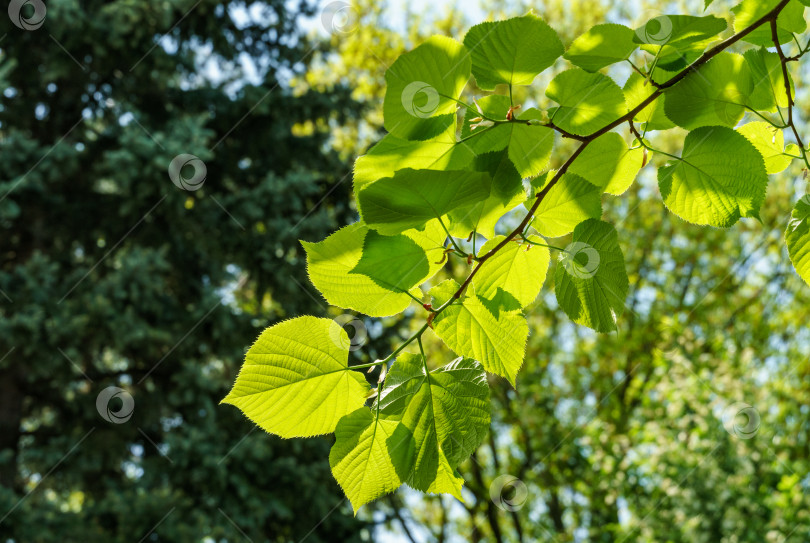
(690, 423)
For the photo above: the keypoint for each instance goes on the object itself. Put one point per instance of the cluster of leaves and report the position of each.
(448, 170)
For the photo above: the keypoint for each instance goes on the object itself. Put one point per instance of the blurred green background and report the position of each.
(688, 425)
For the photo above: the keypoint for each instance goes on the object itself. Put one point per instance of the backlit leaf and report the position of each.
(513, 51)
(410, 198)
(333, 268)
(588, 102)
(601, 46)
(590, 282)
(471, 328)
(609, 163)
(714, 95)
(797, 237)
(421, 88)
(296, 381)
(518, 269)
(446, 412)
(719, 178)
(568, 203)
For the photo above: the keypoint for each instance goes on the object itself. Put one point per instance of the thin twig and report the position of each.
(785, 75)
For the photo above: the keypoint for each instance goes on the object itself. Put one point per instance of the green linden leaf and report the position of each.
(397, 262)
(609, 163)
(797, 238)
(768, 81)
(675, 59)
(422, 86)
(296, 380)
(472, 329)
(507, 193)
(719, 178)
(571, 201)
(671, 59)
(679, 31)
(393, 153)
(601, 46)
(518, 269)
(410, 198)
(590, 282)
(588, 102)
(715, 95)
(365, 457)
(529, 146)
(636, 90)
(446, 412)
(770, 142)
(333, 267)
(678, 40)
(791, 19)
(513, 51)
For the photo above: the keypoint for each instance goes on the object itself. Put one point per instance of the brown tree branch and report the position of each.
(786, 77)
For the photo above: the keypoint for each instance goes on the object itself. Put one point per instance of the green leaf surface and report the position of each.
(719, 178)
(797, 238)
(529, 147)
(518, 270)
(447, 414)
(714, 95)
(587, 101)
(333, 267)
(296, 381)
(475, 329)
(636, 90)
(571, 201)
(679, 31)
(601, 46)
(364, 457)
(410, 198)
(507, 193)
(513, 51)
(770, 142)
(422, 86)
(768, 89)
(676, 58)
(591, 283)
(678, 40)
(791, 19)
(397, 262)
(393, 153)
(609, 163)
